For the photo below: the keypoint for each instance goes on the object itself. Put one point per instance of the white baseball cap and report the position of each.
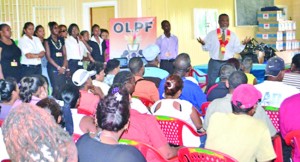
(81, 76)
(151, 52)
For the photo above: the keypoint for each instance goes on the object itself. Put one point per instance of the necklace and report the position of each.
(55, 44)
(223, 43)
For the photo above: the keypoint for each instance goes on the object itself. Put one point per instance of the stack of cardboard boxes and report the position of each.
(276, 32)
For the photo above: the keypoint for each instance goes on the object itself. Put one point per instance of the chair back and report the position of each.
(172, 128)
(76, 137)
(204, 106)
(193, 73)
(145, 149)
(293, 139)
(193, 154)
(273, 114)
(146, 102)
(277, 145)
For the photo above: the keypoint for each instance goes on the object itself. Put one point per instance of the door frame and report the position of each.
(86, 11)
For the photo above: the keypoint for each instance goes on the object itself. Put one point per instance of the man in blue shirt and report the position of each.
(191, 91)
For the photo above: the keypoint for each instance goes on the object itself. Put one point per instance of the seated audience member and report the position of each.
(274, 91)
(246, 67)
(78, 123)
(289, 121)
(172, 106)
(223, 105)
(98, 79)
(234, 62)
(112, 68)
(191, 91)
(289, 113)
(293, 77)
(31, 134)
(143, 88)
(54, 108)
(152, 71)
(113, 119)
(143, 127)
(238, 134)
(32, 90)
(89, 94)
(220, 89)
(9, 93)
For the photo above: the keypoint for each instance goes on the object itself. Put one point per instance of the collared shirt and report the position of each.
(99, 44)
(240, 136)
(75, 50)
(190, 92)
(168, 47)
(223, 105)
(145, 89)
(212, 45)
(153, 71)
(104, 87)
(33, 46)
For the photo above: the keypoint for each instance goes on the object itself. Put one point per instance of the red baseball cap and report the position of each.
(247, 95)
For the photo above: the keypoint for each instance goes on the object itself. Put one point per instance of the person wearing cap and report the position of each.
(238, 134)
(223, 105)
(168, 45)
(89, 94)
(98, 79)
(112, 68)
(152, 71)
(143, 88)
(292, 77)
(273, 90)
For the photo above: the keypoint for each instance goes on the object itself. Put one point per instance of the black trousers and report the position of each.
(73, 66)
(167, 65)
(58, 81)
(28, 70)
(214, 67)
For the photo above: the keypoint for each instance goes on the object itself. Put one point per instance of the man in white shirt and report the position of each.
(274, 91)
(222, 44)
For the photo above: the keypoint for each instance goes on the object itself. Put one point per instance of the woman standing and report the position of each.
(32, 51)
(105, 36)
(57, 58)
(10, 55)
(76, 49)
(63, 31)
(96, 32)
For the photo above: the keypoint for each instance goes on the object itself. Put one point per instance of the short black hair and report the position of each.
(83, 32)
(104, 31)
(221, 15)
(296, 61)
(237, 78)
(93, 27)
(122, 77)
(164, 21)
(71, 28)
(51, 25)
(113, 111)
(135, 64)
(182, 64)
(26, 25)
(3, 25)
(111, 65)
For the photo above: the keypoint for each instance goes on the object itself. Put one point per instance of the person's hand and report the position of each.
(201, 41)
(97, 91)
(62, 71)
(246, 40)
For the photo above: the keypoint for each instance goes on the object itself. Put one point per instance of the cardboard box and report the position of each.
(269, 36)
(269, 15)
(278, 45)
(270, 26)
(295, 45)
(287, 55)
(289, 35)
(287, 45)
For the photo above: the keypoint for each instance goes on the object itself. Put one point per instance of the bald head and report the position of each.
(182, 64)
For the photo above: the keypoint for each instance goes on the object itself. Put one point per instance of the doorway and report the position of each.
(102, 15)
(98, 13)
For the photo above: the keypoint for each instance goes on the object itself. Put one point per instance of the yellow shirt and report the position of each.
(241, 136)
(250, 78)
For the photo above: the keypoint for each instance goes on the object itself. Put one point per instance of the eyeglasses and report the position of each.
(62, 31)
